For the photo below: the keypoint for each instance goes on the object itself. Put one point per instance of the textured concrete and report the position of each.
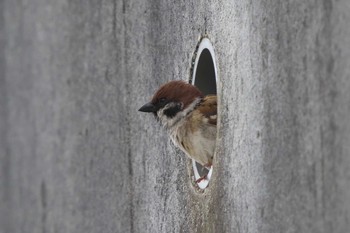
(76, 156)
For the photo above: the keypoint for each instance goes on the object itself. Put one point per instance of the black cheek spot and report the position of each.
(171, 112)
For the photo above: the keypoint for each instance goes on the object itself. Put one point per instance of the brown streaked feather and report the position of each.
(208, 107)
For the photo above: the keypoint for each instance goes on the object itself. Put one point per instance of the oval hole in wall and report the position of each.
(204, 77)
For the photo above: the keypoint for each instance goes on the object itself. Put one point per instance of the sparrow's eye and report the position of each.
(162, 100)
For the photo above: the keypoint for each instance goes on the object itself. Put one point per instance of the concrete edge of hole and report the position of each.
(204, 44)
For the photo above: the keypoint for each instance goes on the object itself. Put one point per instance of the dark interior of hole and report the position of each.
(206, 82)
(205, 74)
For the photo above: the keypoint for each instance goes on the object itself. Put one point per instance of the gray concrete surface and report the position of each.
(76, 156)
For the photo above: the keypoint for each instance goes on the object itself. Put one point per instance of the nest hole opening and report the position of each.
(204, 77)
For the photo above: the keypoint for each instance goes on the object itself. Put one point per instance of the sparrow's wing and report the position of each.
(208, 107)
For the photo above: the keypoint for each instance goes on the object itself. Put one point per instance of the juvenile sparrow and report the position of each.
(190, 118)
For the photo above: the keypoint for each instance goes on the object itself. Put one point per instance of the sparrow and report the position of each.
(189, 117)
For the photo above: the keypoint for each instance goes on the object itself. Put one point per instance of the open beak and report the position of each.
(149, 107)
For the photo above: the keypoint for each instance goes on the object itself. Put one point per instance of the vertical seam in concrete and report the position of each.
(43, 197)
(114, 23)
(128, 123)
(5, 197)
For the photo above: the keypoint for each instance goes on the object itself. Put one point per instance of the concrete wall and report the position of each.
(76, 156)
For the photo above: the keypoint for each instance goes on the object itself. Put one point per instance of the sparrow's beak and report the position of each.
(149, 107)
